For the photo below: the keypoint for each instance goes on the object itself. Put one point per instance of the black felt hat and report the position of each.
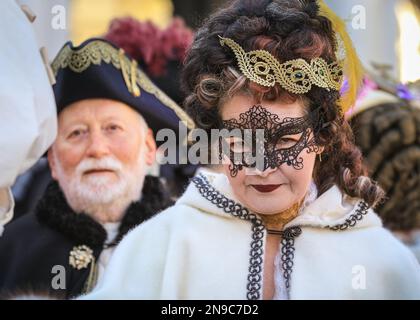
(99, 69)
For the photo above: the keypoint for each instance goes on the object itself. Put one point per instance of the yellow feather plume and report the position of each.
(353, 69)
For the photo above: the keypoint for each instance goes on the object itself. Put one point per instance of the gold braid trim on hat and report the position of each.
(98, 51)
(296, 76)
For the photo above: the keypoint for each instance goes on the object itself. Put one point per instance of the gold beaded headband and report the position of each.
(296, 76)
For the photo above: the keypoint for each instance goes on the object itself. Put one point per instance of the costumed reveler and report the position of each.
(108, 114)
(386, 125)
(300, 223)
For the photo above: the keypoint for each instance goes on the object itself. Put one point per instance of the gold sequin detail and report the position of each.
(279, 220)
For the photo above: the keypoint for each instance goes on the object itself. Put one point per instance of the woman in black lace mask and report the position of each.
(291, 216)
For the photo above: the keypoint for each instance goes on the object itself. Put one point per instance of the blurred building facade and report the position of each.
(386, 33)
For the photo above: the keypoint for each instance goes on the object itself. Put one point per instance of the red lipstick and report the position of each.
(265, 188)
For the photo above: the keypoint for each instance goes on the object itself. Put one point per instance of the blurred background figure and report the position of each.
(27, 108)
(147, 31)
(386, 118)
(386, 125)
(108, 113)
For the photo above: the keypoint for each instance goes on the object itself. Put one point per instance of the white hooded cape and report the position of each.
(195, 250)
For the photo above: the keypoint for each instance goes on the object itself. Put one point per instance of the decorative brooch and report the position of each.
(80, 257)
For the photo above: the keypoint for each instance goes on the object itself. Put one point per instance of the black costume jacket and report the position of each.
(35, 248)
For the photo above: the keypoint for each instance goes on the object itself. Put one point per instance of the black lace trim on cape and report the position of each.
(52, 210)
(256, 254)
(351, 221)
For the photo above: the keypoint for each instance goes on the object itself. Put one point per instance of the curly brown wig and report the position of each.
(288, 29)
(389, 137)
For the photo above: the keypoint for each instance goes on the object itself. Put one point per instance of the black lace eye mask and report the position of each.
(259, 139)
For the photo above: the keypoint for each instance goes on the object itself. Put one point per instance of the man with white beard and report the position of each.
(108, 113)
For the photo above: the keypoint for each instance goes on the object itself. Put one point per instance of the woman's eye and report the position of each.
(286, 142)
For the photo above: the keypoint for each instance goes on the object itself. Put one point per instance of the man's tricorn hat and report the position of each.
(99, 69)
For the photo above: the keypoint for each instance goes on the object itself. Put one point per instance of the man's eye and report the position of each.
(113, 127)
(75, 133)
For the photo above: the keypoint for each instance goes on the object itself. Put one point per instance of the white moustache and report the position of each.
(107, 163)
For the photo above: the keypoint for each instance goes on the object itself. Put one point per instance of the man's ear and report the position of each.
(150, 153)
(51, 162)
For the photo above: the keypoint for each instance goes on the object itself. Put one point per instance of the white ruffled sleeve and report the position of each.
(27, 107)
(6, 207)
